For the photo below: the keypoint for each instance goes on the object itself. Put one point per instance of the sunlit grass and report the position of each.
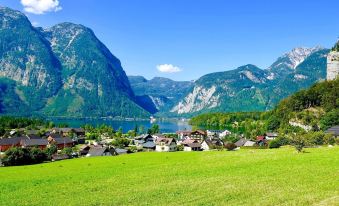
(245, 177)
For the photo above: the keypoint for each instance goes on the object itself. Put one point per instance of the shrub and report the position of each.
(67, 151)
(17, 156)
(180, 147)
(132, 149)
(278, 142)
(274, 144)
(230, 146)
(37, 155)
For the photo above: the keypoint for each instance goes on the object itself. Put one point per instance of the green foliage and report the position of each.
(120, 142)
(180, 147)
(23, 156)
(154, 129)
(132, 149)
(67, 151)
(299, 141)
(274, 144)
(37, 155)
(51, 150)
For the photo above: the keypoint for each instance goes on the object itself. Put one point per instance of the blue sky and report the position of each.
(194, 37)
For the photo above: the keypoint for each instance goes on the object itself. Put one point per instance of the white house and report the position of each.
(165, 145)
(211, 143)
(224, 133)
(271, 135)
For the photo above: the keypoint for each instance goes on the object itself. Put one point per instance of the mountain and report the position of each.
(27, 59)
(291, 60)
(249, 88)
(61, 71)
(158, 94)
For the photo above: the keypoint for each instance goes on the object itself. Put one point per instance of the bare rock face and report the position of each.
(332, 65)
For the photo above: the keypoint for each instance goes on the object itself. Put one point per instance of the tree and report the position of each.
(154, 129)
(51, 151)
(37, 155)
(299, 141)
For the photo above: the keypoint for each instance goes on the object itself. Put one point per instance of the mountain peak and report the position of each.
(299, 54)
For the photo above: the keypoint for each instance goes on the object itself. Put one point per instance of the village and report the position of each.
(74, 142)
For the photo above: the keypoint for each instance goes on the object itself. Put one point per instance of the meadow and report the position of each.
(244, 177)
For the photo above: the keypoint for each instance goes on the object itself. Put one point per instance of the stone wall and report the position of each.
(332, 65)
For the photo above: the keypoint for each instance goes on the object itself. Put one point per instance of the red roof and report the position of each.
(260, 138)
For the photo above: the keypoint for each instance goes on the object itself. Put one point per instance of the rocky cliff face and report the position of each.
(64, 70)
(249, 88)
(333, 63)
(26, 57)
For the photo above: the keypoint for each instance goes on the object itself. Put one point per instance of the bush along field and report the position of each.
(244, 177)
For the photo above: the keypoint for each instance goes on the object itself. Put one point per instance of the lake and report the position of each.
(166, 126)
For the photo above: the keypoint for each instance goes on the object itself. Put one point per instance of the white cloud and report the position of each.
(168, 68)
(35, 23)
(40, 6)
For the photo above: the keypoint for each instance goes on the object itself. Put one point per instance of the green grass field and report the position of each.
(245, 177)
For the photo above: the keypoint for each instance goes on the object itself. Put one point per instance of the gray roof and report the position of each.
(149, 145)
(333, 130)
(192, 145)
(120, 151)
(97, 151)
(34, 142)
(12, 141)
(63, 140)
(240, 142)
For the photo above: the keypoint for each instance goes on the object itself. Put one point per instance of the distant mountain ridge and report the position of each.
(249, 88)
(159, 93)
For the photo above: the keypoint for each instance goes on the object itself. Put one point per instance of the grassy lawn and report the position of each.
(245, 177)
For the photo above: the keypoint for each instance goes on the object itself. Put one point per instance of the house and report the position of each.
(241, 142)
(100, 151)
(79, 132)
(211, 143)
(249, 143)
(39, 143)
(198, 134)
(144, 138)
(183, 134)
(7, 143)
(149, 146)
(166, 145)
(66, 131)
(271, 135)
(224, 134)
(60, 142)
(191, 145)
(84, 149)
(261, 140)
(333, 130)
(218, 133)
(213, 133)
